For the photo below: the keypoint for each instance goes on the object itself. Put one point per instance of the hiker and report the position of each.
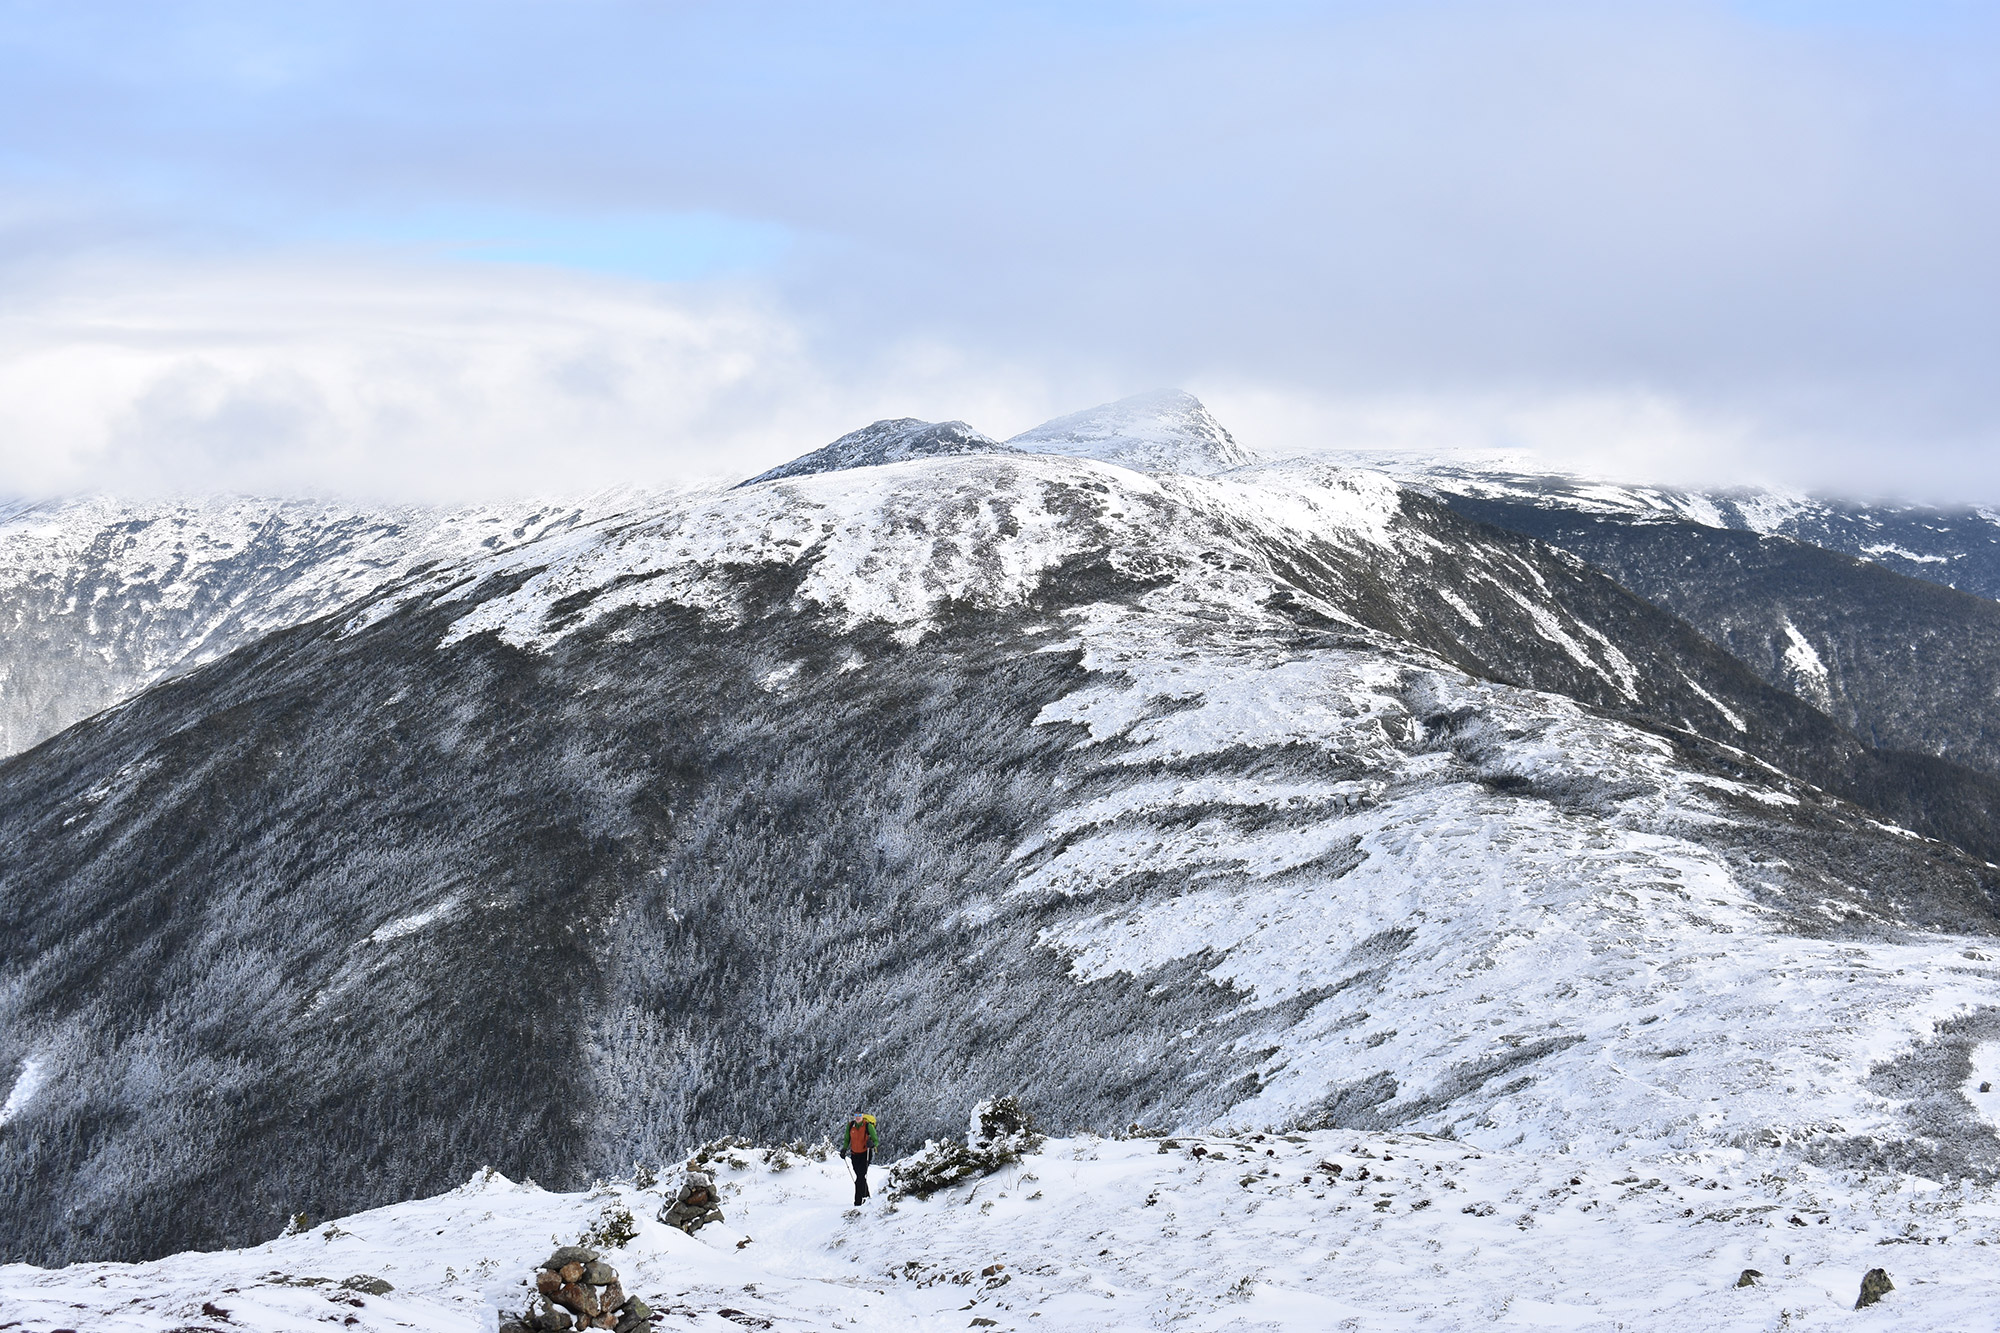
(857, 1145)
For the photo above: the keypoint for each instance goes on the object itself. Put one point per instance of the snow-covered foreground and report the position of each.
(1255, 1232)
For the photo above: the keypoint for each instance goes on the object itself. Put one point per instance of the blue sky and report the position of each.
(1750, 237)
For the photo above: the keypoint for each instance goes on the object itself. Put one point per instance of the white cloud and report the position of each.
(448, 381)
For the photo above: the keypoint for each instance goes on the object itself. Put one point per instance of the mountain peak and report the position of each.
(888, 441)
(1165, 430)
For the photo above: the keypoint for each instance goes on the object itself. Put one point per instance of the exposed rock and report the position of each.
(891, 441)
(582, 1291)
(695, 1206)
(368, 1285)
(1749, 1278)
(1874, 1285)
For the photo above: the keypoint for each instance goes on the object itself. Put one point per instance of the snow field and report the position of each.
(1474, 961)
(898, 543)
(1248, 1233)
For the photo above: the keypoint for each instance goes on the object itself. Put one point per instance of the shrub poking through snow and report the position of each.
(1002, 1124)
(1000, 1133)
(614, 1229)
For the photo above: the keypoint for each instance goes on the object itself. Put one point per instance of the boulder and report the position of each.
(569, 1254)
(1875, 1284)
(579, 1298)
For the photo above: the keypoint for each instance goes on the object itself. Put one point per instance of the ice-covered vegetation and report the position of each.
(100, 598)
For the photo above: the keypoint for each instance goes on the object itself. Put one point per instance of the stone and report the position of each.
(367, 1285)
(1749, 1278)
(553, 1318)
(1875, 1284)
(548, 1282)
(515, 1326)
(572, 1271)
(1986, 1087)
(694, 1207)
(613, 1295)
(597, 1273)
(569, 1254)
(578, 1298)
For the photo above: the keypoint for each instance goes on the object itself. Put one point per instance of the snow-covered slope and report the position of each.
(891, 441)
(1957, 547)
(1162, 431)
(1090, 1235)
(99, 597)
(1280, 798)
(1811, 595)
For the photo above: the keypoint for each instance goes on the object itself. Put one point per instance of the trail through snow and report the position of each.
(1331, 1230)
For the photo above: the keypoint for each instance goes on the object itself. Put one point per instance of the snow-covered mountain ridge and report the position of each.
(1166, 431)
(1283, 797)
(1880, 616)
(1957, 547)
(1091, 1234)
(100, 598)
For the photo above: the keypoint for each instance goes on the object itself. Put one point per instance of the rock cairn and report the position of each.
(579, 1290)
(695, 1206)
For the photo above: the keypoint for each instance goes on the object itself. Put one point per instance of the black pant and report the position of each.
(859, 1161)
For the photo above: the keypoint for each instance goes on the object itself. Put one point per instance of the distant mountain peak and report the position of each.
(892, 440)
(1165, 430)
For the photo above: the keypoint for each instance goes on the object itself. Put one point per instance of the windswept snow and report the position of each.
(900, 543)
(1586, 971)
(410, 925)
(1982, 1085)
(1162, 431)
(1806, 670)
(1238, 1232)
(27, 1083)
(1889, 548)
